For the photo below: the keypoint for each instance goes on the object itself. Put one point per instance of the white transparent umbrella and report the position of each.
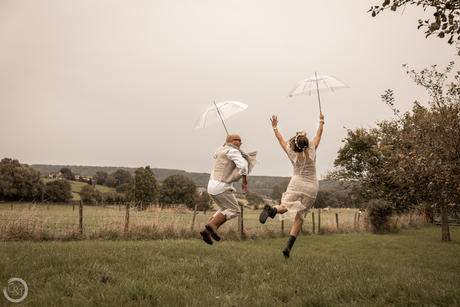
(317, 84)
(219, 112)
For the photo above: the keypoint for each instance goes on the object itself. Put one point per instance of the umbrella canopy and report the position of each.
(317, 84)
(219, 112)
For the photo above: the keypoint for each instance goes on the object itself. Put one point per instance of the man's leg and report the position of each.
(214, 224)
(206, 234)
(229, 209)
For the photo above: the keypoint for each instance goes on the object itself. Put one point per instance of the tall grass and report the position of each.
(61, 224)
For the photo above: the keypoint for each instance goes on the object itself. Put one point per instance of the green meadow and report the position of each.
(410, 268)
(44, 222)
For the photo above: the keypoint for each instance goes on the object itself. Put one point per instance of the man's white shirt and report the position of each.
(215, 186)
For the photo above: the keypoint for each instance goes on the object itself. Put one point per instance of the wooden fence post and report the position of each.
(11, 208)
(282, 227)
(193, 219)
(127, 217)
(80, 213)
(313, 221)
(319, 221)
(240, 222)
(337, 220)
(73, 206)
(119, 206)
(356, 213)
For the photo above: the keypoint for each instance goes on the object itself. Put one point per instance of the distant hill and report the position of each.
(261, 185)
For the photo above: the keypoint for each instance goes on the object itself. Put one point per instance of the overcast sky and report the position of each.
(121, 83)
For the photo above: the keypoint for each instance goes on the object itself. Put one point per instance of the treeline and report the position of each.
(262, 185)
(21, 182)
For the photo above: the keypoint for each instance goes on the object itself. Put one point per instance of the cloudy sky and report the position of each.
(121, 83)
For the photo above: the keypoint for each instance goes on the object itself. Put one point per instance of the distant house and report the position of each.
(55, 175)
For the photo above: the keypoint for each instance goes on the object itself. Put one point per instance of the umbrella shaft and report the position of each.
(218, 112)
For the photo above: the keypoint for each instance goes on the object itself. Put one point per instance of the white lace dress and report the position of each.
(303, 187)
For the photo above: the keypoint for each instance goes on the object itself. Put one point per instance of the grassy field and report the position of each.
(54, 222)
(410, 268)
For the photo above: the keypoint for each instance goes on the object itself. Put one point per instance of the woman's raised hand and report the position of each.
(321, 116)
(274, 121)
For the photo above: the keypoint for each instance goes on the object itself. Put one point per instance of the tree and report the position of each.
(99, 177)
(113, 197)
(89, 194)
(413, 159)
(278, 189)
(254, 200)
(123, 188)
(58, 191)
(144, 186)
(121, 176)
(178, 189)
(446, 16)
(110, 181)
(19, 182)
(67, 174)
(332, 199)
(203, 202)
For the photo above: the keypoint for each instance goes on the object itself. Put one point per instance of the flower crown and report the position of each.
(296, 144)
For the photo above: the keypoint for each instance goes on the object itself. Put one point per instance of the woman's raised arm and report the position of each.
(317, 138)
(278, 135)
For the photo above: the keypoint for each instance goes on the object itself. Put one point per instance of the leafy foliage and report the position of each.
(379, 213)
(113, 197)
(332, 199)
(144, 186)
(262, 185)
(110, 181)
(59, 191)
(89, 194)
(122, 176)
(254, 200)
(446, 16)
(19, 182)
(99, 177)
(178, 189)
(203, 202)
(67, 174)
(412, 159)
(278, 189)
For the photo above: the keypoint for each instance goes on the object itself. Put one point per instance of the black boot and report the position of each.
(287, 249)
(267, 212)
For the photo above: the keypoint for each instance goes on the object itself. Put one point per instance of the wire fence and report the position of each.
(27, 221)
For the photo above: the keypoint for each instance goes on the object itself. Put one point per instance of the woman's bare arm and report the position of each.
(278, 135)
(317, 138)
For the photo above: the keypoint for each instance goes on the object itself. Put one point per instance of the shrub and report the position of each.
(379, 213)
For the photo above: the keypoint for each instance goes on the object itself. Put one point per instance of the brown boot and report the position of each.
(206, 236)
(214, 224)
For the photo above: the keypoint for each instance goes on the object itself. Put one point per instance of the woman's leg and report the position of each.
(271, 212)
(280, 209)
(296, 227)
